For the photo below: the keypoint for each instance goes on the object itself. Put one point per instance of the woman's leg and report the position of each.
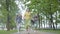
(17, 26)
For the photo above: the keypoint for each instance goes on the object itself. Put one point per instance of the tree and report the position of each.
(9, 9)
(47, 7)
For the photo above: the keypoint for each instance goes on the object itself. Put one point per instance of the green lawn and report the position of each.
(7, 32)
(54, 31)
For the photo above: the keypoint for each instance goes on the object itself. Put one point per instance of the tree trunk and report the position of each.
(44, 25)
(38, 19)
(56, 20)
(8, 20)
(41, 21)
(52, 22)
(46, 21)
(53, 26)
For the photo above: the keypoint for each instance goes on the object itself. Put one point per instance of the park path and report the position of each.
(34, 32)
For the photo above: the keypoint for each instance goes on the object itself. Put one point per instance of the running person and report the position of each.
(27, 20)
(18, 20)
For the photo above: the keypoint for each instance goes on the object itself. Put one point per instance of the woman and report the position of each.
(18, 20)
(27, 20)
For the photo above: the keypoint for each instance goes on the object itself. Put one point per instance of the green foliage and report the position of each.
(46, 7)
(12, 11)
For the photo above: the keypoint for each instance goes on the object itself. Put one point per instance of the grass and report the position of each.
(7, 32)
(53, 31)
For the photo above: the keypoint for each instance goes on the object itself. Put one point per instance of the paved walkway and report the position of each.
(34, 32)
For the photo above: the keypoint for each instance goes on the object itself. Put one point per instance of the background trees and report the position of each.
(8, 9)
(48, 8)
